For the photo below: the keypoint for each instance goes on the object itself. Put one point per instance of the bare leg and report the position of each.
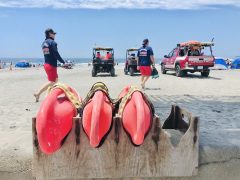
(142, 80)
(145, 80)
(43, 88)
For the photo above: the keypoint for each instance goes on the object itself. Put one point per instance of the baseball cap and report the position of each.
(145, 41)
(50, 30)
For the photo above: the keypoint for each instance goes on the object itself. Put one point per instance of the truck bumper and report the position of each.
(197, 68)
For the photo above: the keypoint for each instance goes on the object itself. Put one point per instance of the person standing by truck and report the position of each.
(145, 59)
(51, 56)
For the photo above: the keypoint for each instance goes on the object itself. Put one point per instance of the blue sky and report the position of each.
(118, 24)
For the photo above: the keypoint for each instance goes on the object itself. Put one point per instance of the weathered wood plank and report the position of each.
(117, 157)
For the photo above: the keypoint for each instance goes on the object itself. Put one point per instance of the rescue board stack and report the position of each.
(111, 138)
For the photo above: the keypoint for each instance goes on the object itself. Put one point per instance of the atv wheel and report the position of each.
(179, 72)
(125, 71)
(112, 72)
(94, 72)
(131, 71)
(205, 73)
(163, 70)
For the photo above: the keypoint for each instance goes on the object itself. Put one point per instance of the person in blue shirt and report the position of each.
(51, 56)
(145, 61)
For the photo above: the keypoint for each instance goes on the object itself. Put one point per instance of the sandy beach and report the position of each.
(214, 99)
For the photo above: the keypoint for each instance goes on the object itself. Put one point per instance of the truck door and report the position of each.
(168, 61)
(173, 58)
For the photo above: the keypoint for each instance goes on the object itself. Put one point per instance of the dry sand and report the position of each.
(215, 100)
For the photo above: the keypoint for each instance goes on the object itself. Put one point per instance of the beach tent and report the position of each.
(22, 64)
(236, 64)
(220, 64)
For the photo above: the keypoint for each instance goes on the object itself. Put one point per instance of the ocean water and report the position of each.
(41, 60)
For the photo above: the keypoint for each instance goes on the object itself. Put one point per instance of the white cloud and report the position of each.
(128, 4)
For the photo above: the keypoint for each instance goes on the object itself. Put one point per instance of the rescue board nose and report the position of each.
(54, 120)
(136, 116)
(97, 118)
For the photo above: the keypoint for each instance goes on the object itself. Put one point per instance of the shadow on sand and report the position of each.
(195, 76)
(134, 75)
(105, 75)
(154, 89)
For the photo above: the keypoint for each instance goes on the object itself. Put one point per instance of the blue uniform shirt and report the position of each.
(50, 51)
(144, 54)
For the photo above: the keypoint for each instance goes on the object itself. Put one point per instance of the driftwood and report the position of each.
(117, 157)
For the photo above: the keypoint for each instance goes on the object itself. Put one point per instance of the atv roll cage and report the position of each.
(103, 49)
(128, 51)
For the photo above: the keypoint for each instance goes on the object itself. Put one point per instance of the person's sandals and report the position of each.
(37, 97)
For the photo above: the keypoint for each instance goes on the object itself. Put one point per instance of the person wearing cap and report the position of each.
(98, 55)
(145, 60)
(51, 56)
(194, 51)
(108, 56)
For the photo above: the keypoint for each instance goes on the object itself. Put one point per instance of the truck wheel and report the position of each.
(94, 72)
(179, 72)
(131, 71)
(205, 73)
(112, 72)
(163, 70)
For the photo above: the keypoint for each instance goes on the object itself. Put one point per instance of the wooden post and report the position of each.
(117, 157)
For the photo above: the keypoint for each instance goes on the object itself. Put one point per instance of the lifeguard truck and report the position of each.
(191, 56)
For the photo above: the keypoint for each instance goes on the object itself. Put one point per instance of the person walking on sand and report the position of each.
(145, 59)
(51, 55)
(10, 66)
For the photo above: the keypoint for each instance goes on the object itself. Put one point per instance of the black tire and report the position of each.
(112, 72)
(205, 73)
(131, 71)
(125, 71)
(94, 72)
(163, 70)
(179, 72)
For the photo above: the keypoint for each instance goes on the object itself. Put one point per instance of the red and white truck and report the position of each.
(191, 56)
